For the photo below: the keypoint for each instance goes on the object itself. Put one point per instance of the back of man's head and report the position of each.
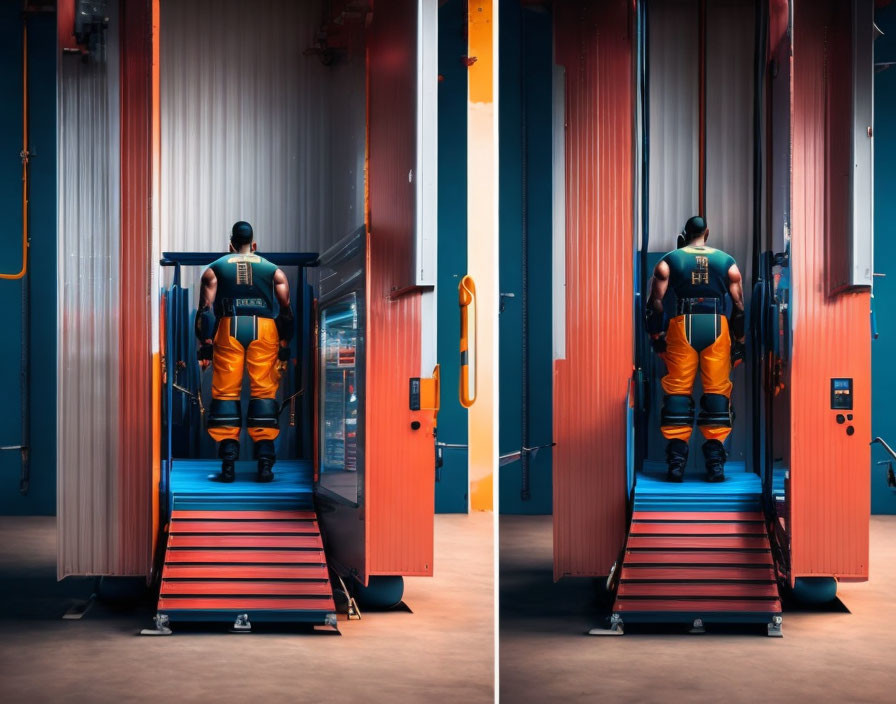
(241, 234)
(694, 228)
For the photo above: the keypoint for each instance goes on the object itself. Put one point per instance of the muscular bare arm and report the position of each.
(658, 286)
(285, 319)
(281, 288)
(208, 288)
(736, 290)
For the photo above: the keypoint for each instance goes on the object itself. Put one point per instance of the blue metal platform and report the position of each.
(741, 491)
(193, 487)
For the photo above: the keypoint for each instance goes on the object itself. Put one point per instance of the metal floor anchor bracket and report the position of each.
(79, 609)
(354, 613)
(616, 628)
(774, 628)
(163, 627)
(241, 624)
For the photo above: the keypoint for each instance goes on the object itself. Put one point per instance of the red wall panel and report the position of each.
(399, 460)
(594, 43)
(135, 361)
(830, 501)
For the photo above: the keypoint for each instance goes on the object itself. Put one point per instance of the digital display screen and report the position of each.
(841, 394)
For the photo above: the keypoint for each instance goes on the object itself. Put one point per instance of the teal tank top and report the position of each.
(699, 273)
(245, 286)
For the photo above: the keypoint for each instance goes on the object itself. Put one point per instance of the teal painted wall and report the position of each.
(41, 498)
(883, 349)
(452, 485)
(526, 59)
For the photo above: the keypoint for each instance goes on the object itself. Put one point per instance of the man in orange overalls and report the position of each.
(698, 337)
(244, 319)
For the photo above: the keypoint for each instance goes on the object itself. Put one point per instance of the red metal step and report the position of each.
(240, 588)
(698, 528)
(697, 557)
(693, 573)
(245, 541)
(698, 605)
(698, 590)
(698, 516)
(244, 515)
(309, 571)
(236, 526)
(246, 604)
(293, 557)
(703, 542)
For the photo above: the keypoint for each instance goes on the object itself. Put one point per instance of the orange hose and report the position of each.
(25, 156)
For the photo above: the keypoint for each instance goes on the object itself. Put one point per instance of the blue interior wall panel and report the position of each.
(526, 56)
(41, 497)
(453, 484)
(883, 349)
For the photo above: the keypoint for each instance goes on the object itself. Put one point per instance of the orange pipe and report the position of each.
(25, 157)
(466, 296)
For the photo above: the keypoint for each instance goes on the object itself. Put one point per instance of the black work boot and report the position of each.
(264, 452)
(714, 452)
(228, 451)
(676, 458)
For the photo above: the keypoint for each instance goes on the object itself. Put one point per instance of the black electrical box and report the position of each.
(415, 394)
(841, 394)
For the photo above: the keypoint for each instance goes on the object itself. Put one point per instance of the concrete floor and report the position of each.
(823, 657)
(443, 652)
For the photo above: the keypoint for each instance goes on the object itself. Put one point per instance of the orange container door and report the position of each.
(830, 491)
(400, 456)
(594, 44)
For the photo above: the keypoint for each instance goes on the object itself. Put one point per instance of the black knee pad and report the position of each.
(715, 409)
(677, 410)
(225, 414)
(229, 450)
(263, 413)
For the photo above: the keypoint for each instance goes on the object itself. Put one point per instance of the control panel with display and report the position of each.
(841, 394)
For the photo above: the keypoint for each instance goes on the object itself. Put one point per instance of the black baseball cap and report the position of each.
(694, 226)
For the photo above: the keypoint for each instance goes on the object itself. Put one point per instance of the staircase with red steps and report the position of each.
(697, 566)
(231, 564)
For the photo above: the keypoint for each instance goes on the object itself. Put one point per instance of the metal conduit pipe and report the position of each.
(701, 78)
(761, 271)
(25, 375)
(525, 492)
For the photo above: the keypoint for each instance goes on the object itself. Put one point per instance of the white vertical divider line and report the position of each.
(558, 213)
(426, 182)
(493, 299)
(108, 432)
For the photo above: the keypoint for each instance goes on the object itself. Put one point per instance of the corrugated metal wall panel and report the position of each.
(88, 309)
(400, 472)
(252, 129)
(135, 401)
(594, 43)
(673, 104)
(830, 500)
